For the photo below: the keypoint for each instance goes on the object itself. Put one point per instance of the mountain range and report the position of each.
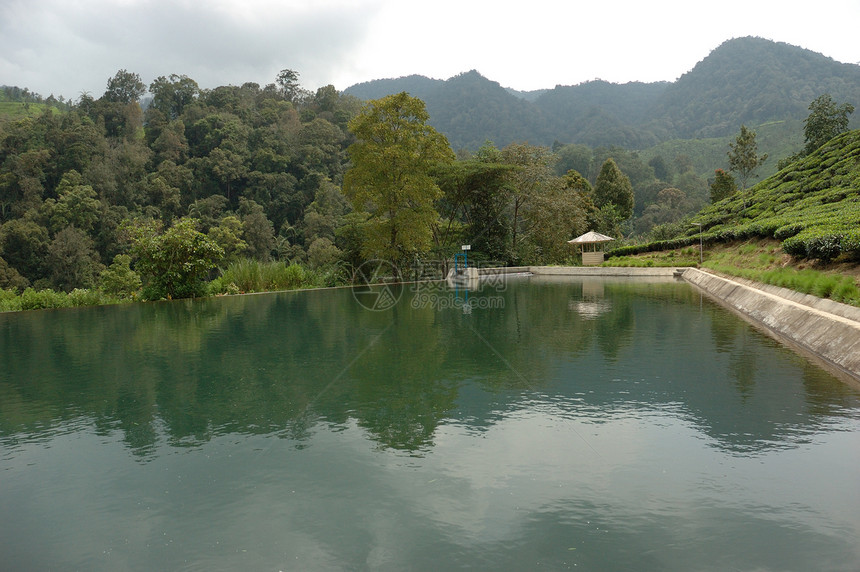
(751, 81)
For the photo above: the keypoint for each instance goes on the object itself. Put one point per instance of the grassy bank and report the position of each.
(764, 261)
(244, 276)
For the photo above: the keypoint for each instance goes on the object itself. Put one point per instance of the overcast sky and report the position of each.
(67, 47)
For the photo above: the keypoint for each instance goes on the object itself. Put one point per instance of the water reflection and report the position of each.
(591, 304)
(282, 363)
(306, 431)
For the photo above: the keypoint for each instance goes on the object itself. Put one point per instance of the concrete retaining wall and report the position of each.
(825, 329)
(599, 271)
(503, 270)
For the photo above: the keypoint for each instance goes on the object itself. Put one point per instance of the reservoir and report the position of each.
(530, 423)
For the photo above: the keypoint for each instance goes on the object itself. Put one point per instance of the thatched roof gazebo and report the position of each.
(592, 247)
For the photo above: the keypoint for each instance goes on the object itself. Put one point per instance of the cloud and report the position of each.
(66, 48)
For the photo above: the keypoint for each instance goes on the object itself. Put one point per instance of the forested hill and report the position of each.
(743, 81)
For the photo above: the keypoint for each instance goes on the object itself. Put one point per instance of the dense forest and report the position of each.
(171, 190)
(103, 194)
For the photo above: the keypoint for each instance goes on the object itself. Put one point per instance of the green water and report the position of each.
(535, 424)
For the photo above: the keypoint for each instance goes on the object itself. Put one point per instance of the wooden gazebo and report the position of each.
(592, 247)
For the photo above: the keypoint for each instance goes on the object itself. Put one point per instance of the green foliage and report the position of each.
(723, 186)
(243, 160)
(667, 261)
(24, 245)
(743, 156)
(10, 278)
(124, 87)
(826, 120)
(613, 188)
(77, 204)
(172, 95)
(813, 206)
(174, 263)
(481, 188)
(559, 213)
(528, 183)
(228, 235)
(71, 260)
(249, 275)
(390, 178)
(31, 299)
(323, 252)
(807, 281)
(119, 279)
(258, 231)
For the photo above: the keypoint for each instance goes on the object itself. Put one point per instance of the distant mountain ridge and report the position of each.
(743, 81)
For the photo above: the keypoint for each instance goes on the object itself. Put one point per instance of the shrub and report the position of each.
(42, 299)
(119, 279)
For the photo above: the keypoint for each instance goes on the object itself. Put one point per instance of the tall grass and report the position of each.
(250, 275)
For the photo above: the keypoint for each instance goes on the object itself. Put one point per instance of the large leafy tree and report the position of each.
(532, 176)
(390, 178)
(557, 214)
(124, 87)
(174, 263)
(826, 120)
(288, 84)
(172, 94)
(723, 186)
(612, 189)
(743, 156)
(71, 260)
(24, 245)
(473, 208)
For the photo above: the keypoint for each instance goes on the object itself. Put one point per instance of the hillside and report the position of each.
(812, 207)
(751, 81)
(746, 80)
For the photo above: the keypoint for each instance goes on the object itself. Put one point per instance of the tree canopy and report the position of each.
(743, 156)
(613, 195)
(826, 120)
(392, 159)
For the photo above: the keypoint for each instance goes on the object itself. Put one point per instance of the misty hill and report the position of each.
(746, 80)
(469, 108)
(752, 81)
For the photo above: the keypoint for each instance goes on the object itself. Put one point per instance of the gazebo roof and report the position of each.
(590, 238)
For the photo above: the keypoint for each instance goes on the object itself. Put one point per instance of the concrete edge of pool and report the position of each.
(826, 331)
(823, 329)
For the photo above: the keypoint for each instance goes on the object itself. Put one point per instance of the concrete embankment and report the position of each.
(823, 329)
(599, 271)
(576, 271)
